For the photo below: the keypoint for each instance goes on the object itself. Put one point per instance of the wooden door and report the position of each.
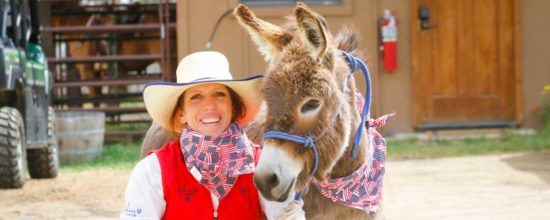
(464, 62)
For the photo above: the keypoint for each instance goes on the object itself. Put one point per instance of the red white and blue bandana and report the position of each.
(220, 160)
(362, 189)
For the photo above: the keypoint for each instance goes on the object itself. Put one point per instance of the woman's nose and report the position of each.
(209, 103)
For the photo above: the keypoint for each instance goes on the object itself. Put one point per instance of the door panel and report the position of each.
(463, 64)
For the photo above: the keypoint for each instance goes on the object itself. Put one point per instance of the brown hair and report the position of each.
(239, 110)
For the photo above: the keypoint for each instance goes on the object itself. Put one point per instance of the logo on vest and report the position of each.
(244, 190)
(187, 193)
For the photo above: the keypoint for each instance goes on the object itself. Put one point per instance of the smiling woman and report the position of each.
(214, 179)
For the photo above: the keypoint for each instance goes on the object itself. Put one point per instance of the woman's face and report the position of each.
(207, 108)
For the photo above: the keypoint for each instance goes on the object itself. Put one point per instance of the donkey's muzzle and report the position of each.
(276, 173)
(266, 182)
(271, 188)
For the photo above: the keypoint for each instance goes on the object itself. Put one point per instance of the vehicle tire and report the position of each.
(12, 148)
(44, 162)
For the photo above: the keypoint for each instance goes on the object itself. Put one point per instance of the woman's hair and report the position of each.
(239, 110)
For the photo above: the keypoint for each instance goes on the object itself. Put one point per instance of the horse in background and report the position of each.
(86, 48)
(138, 43)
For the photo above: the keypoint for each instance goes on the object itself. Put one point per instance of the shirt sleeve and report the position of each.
(144, 196)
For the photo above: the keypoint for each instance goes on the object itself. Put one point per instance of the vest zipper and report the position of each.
(216, 215)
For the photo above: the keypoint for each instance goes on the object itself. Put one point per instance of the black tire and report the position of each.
(12, 149)
(44, 162)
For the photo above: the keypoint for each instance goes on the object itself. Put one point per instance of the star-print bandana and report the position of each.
(220, 160)
(362, 189)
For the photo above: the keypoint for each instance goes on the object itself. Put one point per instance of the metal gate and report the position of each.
(102, 53)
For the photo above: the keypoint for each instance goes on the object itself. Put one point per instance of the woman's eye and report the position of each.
(195, 97)
(219, 94)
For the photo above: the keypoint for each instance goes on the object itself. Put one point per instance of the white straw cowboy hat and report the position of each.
(199, 68)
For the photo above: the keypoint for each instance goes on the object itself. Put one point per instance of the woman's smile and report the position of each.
(208, 121)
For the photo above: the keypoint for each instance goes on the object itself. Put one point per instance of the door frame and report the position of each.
(415, 81)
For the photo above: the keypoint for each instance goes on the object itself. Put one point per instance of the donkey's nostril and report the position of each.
(265, 183)
(273, 181)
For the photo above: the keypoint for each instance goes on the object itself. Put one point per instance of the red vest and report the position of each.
(186, 198)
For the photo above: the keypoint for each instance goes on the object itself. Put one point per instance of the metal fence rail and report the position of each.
(113, 87)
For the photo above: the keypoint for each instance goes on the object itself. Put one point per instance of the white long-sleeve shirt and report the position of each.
(144, 196)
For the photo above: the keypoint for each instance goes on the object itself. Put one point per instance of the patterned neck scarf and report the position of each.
(362, 189)
(219, 160)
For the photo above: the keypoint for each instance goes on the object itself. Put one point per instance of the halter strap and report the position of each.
(353, 62)
(308, 142)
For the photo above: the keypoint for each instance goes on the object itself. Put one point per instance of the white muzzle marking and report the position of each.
(276, 164)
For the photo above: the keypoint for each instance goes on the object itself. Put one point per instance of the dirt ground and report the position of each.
(511, 186)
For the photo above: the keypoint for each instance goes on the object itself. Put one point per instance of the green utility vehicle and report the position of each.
(26, 121)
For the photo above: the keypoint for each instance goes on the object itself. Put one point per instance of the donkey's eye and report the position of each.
(310, 105)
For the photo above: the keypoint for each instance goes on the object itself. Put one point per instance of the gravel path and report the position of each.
(511, 186)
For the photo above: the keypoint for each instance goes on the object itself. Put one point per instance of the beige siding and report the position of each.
(535, 52)
(392, 90)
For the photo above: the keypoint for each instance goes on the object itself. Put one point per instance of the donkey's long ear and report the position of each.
(313, 29)
(269, 38)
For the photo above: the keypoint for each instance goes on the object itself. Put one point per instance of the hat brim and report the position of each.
(160, 98)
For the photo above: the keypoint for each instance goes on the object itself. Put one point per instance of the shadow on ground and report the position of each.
(537, 163)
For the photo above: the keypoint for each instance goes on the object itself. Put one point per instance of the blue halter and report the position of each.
(309, 142)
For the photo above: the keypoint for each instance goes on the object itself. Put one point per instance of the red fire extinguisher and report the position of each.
(388, 33)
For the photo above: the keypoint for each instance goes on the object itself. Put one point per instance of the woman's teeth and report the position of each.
(210, 120)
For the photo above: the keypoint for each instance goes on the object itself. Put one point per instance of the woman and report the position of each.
(208, 172)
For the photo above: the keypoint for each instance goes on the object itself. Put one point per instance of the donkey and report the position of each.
(307, 94)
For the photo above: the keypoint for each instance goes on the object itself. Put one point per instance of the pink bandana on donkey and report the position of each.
(220, 160)
(362, 189)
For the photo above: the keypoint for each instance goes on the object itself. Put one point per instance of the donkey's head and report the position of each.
(303, 89)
